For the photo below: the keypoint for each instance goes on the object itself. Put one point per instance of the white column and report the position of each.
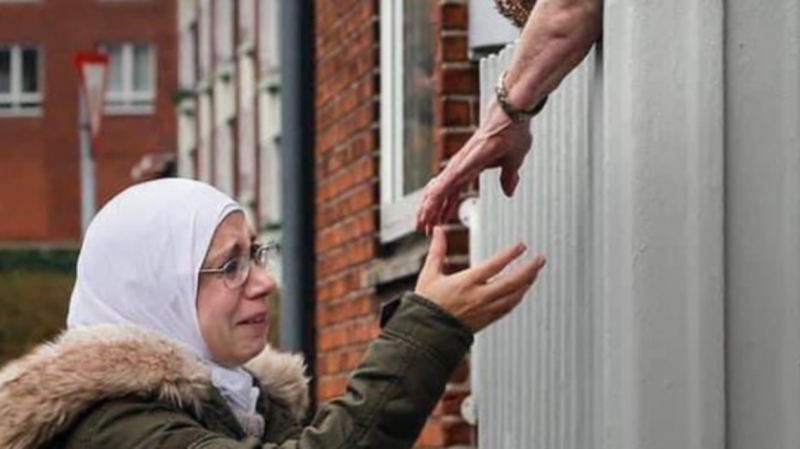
(763, 223)
(661, 225)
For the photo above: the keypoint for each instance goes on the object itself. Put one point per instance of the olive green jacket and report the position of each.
(121, 387)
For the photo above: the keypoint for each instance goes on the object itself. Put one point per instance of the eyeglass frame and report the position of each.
(259, 254)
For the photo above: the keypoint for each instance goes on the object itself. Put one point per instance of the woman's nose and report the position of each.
(260, 283)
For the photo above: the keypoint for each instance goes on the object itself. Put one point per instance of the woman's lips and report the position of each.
(260, 318)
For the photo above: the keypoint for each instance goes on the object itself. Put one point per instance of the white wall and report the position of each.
(664, 185)
(763, 223)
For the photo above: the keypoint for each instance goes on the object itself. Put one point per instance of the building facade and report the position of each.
(396, 95)
(39, 85)
(228, 105)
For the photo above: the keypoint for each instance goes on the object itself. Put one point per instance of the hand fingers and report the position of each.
(428, 207)
(434, 263)
(509, 176)
(451, 207)
(502, 306)
(520, 279)
(485, 270)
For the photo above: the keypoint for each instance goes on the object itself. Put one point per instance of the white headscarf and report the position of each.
(139, 265)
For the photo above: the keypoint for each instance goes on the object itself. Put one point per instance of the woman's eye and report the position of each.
(232, 267)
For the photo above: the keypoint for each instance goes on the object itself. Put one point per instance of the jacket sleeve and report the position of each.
(387, 401)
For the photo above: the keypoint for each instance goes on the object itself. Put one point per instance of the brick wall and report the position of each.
(347, 196)
(39, 157)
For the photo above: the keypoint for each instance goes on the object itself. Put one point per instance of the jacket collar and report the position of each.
(44, 392)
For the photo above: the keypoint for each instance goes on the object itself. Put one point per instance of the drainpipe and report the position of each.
(297, 178)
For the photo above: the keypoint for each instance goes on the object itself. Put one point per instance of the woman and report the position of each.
(165, 346)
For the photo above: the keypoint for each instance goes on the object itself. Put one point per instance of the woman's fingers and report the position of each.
(434, 263)
(502, 306)
(519, 280)
(495, 264)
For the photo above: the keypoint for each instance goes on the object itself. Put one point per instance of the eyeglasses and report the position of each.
(235, 272)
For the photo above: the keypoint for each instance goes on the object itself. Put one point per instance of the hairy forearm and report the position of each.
(555, 39)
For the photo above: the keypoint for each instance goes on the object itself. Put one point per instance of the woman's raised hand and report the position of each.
(477, 296)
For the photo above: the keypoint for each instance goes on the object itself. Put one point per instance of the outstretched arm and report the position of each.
(556, 38)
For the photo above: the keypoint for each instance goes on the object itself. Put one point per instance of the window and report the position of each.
(407, 93)
(131, 78)
(20, 79)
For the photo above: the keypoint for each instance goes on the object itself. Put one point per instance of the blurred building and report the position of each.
(39, 152)
(228, 105)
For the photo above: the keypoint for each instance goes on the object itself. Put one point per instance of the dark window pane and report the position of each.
(418, 90)
(30, 70)
(5, 70)
(143, 68)
(114, 82)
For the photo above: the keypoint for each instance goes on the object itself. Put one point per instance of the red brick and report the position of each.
(457, 113)
(339, 362)
(351, 333)
(358, 199)
(351, 253)
(453, 49)
(336, 287)
(360, 119)
(432, 435)
(458, 81)
(360, 306)
(454, 16)
(457, 432)
(49, 211)
(329, 387)
(352, 228)
(451, 403)
(363, 170)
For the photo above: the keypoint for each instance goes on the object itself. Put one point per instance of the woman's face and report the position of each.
(233, 322)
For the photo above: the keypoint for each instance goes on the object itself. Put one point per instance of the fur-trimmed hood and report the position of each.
(44, 392)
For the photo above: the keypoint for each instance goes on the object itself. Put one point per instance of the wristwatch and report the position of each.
(516, 115)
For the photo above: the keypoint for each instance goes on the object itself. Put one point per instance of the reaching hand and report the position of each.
(499, 142)
(477, 296)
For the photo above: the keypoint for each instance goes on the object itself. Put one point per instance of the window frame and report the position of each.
(16, 98)
(397, 210)
(124, 101)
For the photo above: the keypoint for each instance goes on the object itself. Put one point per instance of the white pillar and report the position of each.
(661, 273)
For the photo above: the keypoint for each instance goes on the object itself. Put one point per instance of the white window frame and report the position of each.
(397, 211)
(123, 102)
(16, 98)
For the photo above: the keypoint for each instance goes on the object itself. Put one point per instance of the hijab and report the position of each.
(139, 265)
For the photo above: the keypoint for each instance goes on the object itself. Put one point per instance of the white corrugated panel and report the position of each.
(536, 371)
(763, 223)
(621, 345)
